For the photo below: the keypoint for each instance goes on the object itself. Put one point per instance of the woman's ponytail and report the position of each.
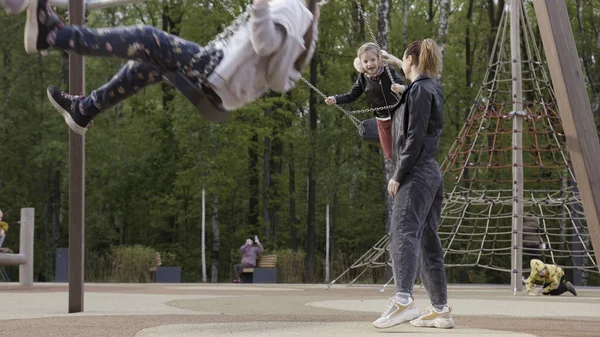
(430, 58)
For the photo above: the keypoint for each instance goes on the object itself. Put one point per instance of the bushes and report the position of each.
(290, 266)
(131, 264)
(122, 264)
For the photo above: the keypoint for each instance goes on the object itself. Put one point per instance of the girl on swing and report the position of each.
(268, 51)
(374, 81)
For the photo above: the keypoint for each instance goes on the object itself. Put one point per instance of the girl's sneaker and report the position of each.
(41, 20)
(434, 318)
(68, 106)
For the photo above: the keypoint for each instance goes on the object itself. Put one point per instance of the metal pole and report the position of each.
(327, 240)
(26, 246)
(76, 175)
(203, 235)
(517, 154)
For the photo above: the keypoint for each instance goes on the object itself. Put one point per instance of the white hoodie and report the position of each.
(260, 54)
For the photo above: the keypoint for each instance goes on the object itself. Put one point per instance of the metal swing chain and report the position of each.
(364, 15)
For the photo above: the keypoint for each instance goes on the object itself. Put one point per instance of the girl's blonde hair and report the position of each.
(369, 46)
(426, 56)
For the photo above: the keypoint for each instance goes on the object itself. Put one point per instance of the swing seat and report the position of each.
(368, 130)
(206, 101)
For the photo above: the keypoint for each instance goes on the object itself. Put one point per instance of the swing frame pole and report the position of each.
(77, 10)
(76, 175)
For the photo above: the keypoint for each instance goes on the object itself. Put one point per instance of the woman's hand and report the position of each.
(330, 100)
(391, 59)
(393, 187)
(398, 88)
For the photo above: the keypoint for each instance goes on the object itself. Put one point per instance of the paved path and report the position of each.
(149, 310)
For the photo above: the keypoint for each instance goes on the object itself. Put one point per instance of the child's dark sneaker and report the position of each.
(68, 106)
(571, 288)
(41, 20)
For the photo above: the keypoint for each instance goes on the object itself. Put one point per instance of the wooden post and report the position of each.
(517, 152)
(76, 175)
(574, 105)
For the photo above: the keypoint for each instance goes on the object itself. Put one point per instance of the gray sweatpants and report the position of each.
(413, 232)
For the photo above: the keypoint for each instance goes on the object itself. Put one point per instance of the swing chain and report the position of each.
(354, 120)
(374, 39)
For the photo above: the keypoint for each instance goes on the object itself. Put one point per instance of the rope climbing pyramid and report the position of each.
(511, 193)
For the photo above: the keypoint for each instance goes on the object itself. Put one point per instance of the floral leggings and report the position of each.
(151, 53)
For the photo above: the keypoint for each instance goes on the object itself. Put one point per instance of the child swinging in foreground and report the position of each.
(375, 82)
(266, 51)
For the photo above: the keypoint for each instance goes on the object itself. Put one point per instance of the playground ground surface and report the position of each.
(182, 310)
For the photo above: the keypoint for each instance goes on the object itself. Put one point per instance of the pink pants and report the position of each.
(385, 137)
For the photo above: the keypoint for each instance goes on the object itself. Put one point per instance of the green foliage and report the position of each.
(290, 266)
(132, 264)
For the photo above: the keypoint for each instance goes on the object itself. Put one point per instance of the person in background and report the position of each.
(249, 254)
(3, 229)
(552, 278)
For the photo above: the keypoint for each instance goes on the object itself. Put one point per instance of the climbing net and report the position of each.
(476, 226)
(477, 214)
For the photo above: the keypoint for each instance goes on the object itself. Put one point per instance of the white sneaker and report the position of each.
(434, 318)
(396, 313)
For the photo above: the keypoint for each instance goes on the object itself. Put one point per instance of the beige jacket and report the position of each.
(260, 54)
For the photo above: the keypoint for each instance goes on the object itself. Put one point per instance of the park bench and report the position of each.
(264, 272)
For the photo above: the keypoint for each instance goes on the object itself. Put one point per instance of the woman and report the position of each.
(249, 255)
(417, 188)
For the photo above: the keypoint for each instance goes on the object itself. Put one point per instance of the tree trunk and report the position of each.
(469, 57)
(358, 26)
(444, 21)
(430, 12)
(292, 191)
(267, 182)
(216, 242)
(171, 23)
(405, 6)
(310, 219)
(253, 182)
(383, 17)
(494, 18)
(276, 171)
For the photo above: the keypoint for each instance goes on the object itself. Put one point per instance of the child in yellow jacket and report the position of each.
(552, 278)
